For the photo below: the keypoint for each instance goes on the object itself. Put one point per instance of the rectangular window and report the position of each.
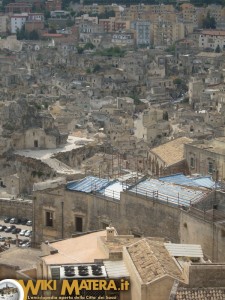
(79, 224)
(49, 218)
(210, 167)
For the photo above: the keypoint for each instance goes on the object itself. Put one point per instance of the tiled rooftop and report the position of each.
(173, 151)
(213, 32)
(152, 260)
(119, 242)
(200, 294)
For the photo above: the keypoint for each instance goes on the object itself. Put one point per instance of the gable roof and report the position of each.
(152, 260)
(173, 151)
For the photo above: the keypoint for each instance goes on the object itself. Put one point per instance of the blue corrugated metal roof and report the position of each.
(88, 184)
(203, 181)
(164, 191)
(179, 179)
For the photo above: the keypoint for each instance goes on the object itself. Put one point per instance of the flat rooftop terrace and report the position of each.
(168, 192)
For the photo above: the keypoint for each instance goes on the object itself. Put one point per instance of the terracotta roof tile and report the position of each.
(152, 260)
(200, 293)
(173, 151)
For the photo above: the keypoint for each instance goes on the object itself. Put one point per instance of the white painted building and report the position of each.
(122, 39)
(212, 38)
(17, 21)
(142, 31)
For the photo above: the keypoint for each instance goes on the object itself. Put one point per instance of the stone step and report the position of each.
(58, 166)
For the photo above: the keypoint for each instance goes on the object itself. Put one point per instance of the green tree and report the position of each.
(218, 50)
(70, 22)
(21, 34)
(96, 68)
(107, 14)
(33, 35)
(135, 97)
(88, 46)
(5, 2)
(80, 50)
(209, 22)
(73, 13)
(47, 14)
(112, 52)
(171, 49)
(177, 81)
(52, 29)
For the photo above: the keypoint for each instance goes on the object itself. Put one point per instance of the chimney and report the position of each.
(110, 234)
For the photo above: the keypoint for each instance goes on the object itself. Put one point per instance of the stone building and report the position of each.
(123, 39)
(206, 157)
(169, 158)
(153, 268)
(35, 21)
(4, 20)
(34, 129)
(122, 256)
(93, 203)
(165, 33)
(142, 32)
(211, 39)
(196, 87)
(151, 125)
(35, 138)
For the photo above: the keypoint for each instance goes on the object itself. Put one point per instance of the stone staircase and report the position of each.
(58, 166)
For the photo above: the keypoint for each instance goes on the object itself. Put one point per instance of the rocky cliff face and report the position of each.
(21, 115)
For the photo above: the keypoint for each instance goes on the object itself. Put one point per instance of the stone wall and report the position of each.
(149, 217)
(103, 212)
(7, 271)
(97, 212)
(132, 214)
(30, 171)
(211, 236)
(205, 275)
(13, 272)
(75, 157)
(208, 202)
(16, 208)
